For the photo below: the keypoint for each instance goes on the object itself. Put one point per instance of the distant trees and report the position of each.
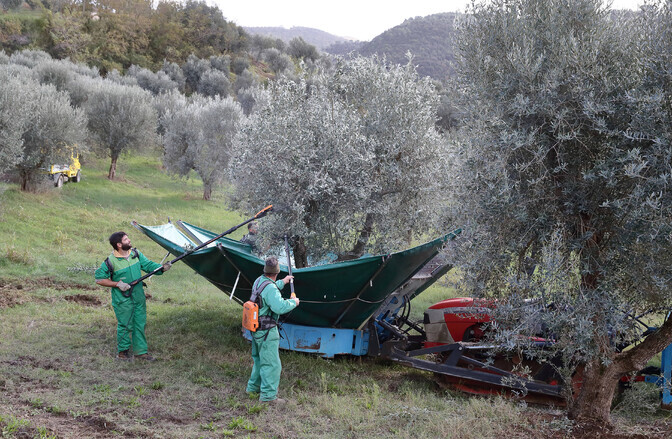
(299, 49)
(11, 4)
(156, 83)
(561, 176)
(199, 136)
(121, 34)
(355, 155)
(277, 61)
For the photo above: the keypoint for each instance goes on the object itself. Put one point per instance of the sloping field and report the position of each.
(59, 377)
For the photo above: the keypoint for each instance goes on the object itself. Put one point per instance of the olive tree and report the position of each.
(214, 83)
(193, 69)
(355, 159)
(560, 177)
(300, 49)
(121, 118)
(37, 127)
(156, 83)
(14, 114)
(277, 61)
(175, 73)
(199, 136)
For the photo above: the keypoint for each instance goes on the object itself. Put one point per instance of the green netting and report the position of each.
(342, 294)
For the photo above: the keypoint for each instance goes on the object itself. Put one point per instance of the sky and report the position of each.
(356, 19)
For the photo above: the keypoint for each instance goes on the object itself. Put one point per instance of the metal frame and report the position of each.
(486, 373)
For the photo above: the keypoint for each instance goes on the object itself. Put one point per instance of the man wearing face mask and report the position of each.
(122, 267)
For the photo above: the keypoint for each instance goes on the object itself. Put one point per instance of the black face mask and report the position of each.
(125, 247)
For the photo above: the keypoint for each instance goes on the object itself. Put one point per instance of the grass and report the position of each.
(57, 367)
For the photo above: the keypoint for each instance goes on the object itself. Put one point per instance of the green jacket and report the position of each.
(127, 270)
(272, 302)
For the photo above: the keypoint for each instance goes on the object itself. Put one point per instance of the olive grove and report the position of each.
(561, 178)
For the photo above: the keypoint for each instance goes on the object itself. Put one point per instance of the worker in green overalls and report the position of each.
(266, 369)
(122, 267)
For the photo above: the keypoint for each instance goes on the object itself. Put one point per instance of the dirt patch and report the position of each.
(31, 284)
(11, 297)
(16, 292)
(554, 425)
(85, 299)
(26, 360)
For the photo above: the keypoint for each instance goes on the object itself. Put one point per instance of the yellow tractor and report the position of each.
(66, 172)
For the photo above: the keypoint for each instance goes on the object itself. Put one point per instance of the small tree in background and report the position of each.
(14, 113)
(156, 83)
(214, 83)
(221, 63)
(243, 81)
(239, 65)
(121, 118)
(175, 73)
(38, 126)
(193, 69)
(199, 136)
(300, 49)
(11, 4)
(563, 163)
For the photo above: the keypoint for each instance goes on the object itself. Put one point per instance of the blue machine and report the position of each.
(327, 342)
(666, 368)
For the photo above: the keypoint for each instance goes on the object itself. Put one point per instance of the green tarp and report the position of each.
(343, 294)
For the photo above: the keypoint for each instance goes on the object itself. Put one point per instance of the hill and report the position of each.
(316, 37)
(429, 39)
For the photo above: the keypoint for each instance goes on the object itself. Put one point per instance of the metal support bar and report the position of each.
(188, 232)
(517, 383)
(364, 288)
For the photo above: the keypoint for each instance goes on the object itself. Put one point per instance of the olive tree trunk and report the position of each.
(113, 168)
(593, 405)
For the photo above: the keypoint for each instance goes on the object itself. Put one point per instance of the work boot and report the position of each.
(145, 357)
(125, 356)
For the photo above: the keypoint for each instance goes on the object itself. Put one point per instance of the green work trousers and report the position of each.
(131, 315)
(265, 377)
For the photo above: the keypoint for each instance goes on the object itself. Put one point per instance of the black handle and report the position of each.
(289, 265)
(259, 214)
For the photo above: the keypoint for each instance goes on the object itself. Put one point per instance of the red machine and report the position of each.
(458, 319)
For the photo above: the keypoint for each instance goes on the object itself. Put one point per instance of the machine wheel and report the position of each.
(58, 182)
(77, 178)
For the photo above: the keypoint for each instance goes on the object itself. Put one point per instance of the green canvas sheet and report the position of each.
(342, 295)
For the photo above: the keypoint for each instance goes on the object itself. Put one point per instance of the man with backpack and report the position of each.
(121, 268)
(266, 369)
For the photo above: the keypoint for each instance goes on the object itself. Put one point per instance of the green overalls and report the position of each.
(131, 311)
(266, 369)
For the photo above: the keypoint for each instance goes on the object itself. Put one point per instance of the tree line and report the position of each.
(114, 35)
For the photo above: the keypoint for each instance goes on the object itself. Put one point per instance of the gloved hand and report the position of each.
(166, 266)
(123, 286)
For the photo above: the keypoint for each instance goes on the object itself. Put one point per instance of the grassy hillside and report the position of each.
(59, 378)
